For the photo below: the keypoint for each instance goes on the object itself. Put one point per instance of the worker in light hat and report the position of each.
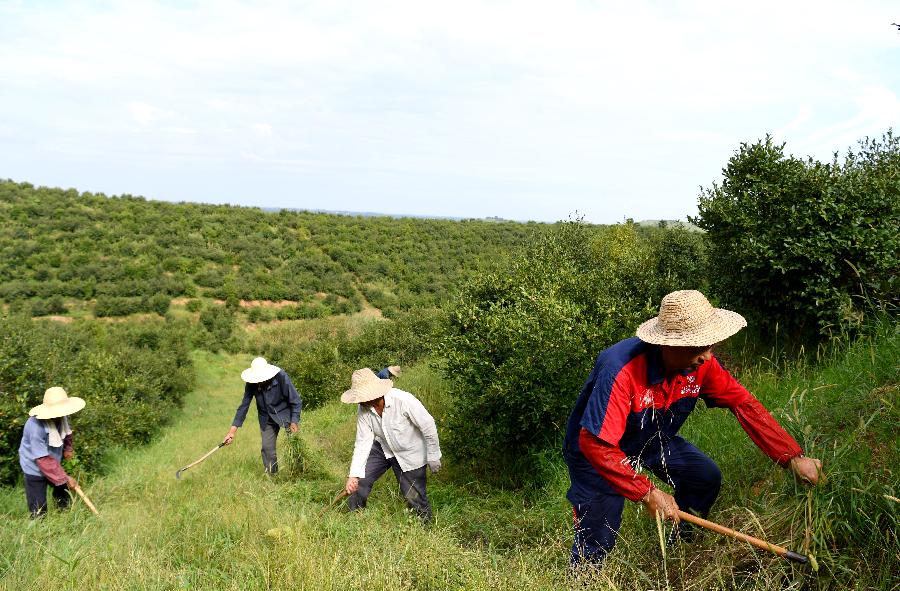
(46, 440)
(278, 406)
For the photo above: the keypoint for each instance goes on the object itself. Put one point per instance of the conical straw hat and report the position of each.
(57, 404)
(687, 319)
(365, 386)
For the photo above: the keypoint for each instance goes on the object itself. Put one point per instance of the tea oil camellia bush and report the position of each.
(520, 343)
(805, 245)
(131, 376)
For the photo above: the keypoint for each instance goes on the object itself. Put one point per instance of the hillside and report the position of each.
(64, 251)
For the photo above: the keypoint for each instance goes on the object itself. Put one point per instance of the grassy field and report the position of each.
(225, 525)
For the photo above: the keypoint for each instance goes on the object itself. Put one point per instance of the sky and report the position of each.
(518, 109)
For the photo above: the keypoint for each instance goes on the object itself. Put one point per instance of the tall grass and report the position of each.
(225, 525)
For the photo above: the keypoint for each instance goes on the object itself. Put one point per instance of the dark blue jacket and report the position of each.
(279, 402)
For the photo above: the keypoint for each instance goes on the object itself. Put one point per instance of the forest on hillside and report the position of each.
(125, 255)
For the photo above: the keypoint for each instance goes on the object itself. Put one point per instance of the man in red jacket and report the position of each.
(627, 417)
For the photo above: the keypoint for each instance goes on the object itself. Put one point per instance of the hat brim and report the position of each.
(368, 391)
(720, 325)
(252, 376)
(54, 411)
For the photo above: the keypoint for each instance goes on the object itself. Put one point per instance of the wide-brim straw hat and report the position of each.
(394, 370)
(687, 319)
(259, 371)
(365, 386)
(57, 403)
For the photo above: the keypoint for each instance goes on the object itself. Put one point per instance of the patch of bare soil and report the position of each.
(63, 319)
(267, 304)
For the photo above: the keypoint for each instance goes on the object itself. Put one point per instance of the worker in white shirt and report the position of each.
(393, 430)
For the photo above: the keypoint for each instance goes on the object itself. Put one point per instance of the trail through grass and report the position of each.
(225, 525)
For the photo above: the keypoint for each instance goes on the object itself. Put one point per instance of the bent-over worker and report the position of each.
(628, 415)
(278, 406)
(393, 430)
(46, 440)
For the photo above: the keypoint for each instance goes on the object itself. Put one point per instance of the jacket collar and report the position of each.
(656, 371)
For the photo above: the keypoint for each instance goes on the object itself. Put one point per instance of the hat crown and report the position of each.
(258, 364)
(684, 310)
(362, 376)
(55, 395)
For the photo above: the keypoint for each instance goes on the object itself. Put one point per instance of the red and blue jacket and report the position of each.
(627, 411)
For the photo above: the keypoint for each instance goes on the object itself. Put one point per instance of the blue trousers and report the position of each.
(695, 478)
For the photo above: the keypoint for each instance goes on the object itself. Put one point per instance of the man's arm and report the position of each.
(720, 388)
(612, 464)
(424, 422)
(68, 448)
(241, 414)
(363, 445)
(52, 470)
(294, 400)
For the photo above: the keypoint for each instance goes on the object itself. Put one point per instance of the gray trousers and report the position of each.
(269, 435)
(412, 483)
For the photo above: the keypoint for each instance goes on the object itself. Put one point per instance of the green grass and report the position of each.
(224, 525)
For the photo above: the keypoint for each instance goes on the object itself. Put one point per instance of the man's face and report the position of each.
(677, 359)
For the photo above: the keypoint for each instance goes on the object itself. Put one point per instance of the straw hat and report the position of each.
(57, 404)
(259, 371)
(394, 370)
(687, 319)
(365, 386)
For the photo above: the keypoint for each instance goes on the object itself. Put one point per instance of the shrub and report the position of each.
(802, 244)
(132, 377)
(520, 344)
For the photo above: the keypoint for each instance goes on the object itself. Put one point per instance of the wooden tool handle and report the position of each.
(86, 500)
(334, 501)
(727, 531)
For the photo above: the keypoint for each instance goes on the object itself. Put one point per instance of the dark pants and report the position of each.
(695, 478)
(269, 436)
(36, 495)
(412, 483)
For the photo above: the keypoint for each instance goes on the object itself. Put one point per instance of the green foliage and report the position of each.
(216, 328)
(50, 306)
(520, 343)
(83, 246)
(320, 364)
(806, 245)
(132, 376)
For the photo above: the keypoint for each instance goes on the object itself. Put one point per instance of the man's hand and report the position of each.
(71, 483)
(293, 427)
(659, 503)
(69, 454)
(434, 466)
(806, 469)
(352, 485)
(230, 437)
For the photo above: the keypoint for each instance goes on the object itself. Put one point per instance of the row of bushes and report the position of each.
(133, 376)
(113, 306)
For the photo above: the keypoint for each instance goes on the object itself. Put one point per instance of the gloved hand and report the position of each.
(434, 466)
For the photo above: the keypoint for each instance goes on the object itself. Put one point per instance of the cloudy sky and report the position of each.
(518, 109)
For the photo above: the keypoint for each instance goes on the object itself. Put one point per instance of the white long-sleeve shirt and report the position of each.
(405, 430)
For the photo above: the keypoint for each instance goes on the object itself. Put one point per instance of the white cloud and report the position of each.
(644, 100)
